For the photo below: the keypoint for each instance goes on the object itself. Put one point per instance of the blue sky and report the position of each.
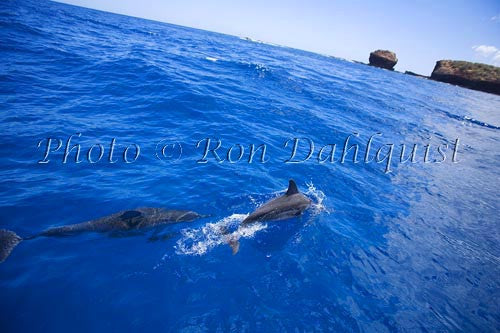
(420, 32)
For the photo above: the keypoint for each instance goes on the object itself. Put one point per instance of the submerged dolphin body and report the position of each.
(8, 241)
(288, 205)
(140, 218)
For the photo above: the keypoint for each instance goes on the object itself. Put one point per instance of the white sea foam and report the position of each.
(198, 241)
(211, 59)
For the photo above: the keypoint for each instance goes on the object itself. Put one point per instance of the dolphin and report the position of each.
(290, 204)
(286, 206)
(127, 220)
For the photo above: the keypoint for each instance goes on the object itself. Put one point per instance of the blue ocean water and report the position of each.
(412, 247)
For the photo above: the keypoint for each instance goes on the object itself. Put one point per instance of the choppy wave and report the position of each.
(212, 59)
(480, 123)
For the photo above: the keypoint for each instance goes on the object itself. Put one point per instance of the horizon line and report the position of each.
(250, 39)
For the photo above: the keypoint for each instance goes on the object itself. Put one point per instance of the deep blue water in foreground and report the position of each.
(413, 249)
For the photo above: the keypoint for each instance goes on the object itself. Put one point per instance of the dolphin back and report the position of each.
(175, 216)
(8, 241)
(290, 204)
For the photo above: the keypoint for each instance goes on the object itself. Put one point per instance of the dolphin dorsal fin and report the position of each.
(292, 188)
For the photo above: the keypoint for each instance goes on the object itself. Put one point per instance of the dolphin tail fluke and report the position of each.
(233, 242)
(8, 241)
(235, 245)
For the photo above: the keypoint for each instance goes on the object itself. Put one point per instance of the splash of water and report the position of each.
(198, 241)
(318, 197)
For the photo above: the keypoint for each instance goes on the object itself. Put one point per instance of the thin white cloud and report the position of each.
(496, 18)
(496, 59)
(489, 52)
(485, 50)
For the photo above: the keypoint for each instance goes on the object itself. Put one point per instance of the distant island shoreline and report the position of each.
(465, 74)
(475, 76)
